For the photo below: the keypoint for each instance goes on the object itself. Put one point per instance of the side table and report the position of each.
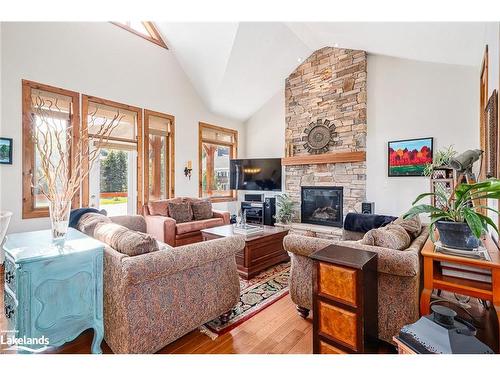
(434, 278)
(52, 294)
(345, 301)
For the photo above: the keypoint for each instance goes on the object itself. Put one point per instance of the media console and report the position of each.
(259, 209)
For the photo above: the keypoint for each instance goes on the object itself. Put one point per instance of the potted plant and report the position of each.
(459, 222)
(441, 160)
(285, 209)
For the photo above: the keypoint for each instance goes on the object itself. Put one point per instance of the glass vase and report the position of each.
(59, 220)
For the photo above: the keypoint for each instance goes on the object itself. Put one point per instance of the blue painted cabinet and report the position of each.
(53, 293)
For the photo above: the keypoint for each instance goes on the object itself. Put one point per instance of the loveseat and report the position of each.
(154, 298)
(399, 277)
(164, 228)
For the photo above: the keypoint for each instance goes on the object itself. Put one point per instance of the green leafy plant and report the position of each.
(441, 159)
(285, 209)
(460, 208)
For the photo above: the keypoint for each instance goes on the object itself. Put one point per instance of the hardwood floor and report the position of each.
(276, 329)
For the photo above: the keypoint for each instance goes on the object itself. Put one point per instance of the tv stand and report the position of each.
(260, 212)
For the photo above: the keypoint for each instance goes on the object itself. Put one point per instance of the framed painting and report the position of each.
(409, 157)
(5, 150)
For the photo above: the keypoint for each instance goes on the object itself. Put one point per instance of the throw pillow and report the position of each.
(180, 212)
(413, 226)
(161, 207)
(202, 210)
(392, 237)
(89, 221)
(125, 241)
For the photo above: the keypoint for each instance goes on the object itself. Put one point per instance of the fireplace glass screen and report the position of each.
(322, 205)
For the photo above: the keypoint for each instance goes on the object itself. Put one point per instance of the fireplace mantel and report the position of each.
(328, 158)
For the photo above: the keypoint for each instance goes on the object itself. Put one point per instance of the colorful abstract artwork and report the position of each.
(409, 157)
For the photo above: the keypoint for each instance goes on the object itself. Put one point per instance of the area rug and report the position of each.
(256, 294)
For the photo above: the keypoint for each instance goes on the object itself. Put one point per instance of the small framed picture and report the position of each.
(5, 150)
(409, 157)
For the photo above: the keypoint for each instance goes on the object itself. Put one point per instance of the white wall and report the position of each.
(265, 130)
(103, 60)
(406, 99)
(409, 99)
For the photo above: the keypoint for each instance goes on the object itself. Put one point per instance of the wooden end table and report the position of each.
(345, 305)
(262, 250)
(434, 279)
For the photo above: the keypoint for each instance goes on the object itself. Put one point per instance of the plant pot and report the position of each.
(457, 235)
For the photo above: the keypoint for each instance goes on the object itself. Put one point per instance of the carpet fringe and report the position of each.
(208, 332)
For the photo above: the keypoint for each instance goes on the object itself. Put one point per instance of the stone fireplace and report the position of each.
(322, 205)
(329, 85)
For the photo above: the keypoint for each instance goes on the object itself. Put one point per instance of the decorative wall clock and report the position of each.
(318, 136)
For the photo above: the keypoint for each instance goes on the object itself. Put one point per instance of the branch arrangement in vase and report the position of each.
(66, 156)
(460, 222)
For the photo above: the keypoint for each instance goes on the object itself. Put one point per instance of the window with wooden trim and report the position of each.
(61, 108)
(217, 145)
(115, 181)
(144, 29)
(158, 155)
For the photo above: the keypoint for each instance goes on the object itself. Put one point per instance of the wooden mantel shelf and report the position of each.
(329, 158)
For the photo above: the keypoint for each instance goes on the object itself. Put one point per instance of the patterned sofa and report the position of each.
(164, 228)
(152, 299)
(398, 278)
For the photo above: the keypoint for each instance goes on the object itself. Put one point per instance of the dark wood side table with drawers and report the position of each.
(345, 301)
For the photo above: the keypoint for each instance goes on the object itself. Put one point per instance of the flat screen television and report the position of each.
(255, 174)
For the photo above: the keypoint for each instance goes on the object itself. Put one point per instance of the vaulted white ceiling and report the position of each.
(237, 67)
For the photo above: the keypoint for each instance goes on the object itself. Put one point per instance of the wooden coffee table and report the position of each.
(262, 250)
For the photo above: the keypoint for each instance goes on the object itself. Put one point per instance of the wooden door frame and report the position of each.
(170, 172)
(483, 101)
(85, 185)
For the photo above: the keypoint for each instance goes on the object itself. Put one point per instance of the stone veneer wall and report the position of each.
(330, 84)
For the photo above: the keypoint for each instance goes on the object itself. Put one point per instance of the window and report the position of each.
(217, 146)
(144, 29)
(115, 181)
(61, 109)
(158, 155)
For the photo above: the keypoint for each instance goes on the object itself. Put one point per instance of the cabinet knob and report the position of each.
(9, 276)
(9, 311)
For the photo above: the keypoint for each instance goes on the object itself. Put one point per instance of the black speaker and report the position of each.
(368, 207)
(269, 211)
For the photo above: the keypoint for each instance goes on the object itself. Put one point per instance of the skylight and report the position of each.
(144, 29)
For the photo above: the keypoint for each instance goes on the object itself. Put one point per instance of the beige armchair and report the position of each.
(155, 298)
(398, 279)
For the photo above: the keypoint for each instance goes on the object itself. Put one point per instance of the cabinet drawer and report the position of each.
(10, 310)
(325, 348)
(338, 323)
(10, 275)
(337, 282)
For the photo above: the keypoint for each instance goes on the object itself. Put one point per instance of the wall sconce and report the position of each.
(188, 169)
